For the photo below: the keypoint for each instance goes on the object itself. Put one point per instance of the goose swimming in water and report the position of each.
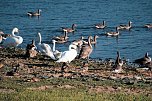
(13, 40)
(86, 49)
(113, 33)
(69, 55)
(144, 60)
(44, 48)
(125, 26)
(118, 64)
(34, 13)
(69, 30)
(61, 39)
(100, 25)
(94, 41)
(148, 25)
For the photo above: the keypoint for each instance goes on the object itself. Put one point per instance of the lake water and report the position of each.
(85, 13)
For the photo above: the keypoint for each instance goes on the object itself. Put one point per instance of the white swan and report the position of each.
(44, 48)
(56, 53)
(68, 56)
(13, 40)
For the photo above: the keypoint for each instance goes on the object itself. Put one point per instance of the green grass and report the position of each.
(79, 92)
(70, 95)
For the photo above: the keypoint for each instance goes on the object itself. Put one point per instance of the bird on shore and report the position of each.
(69, 30)
(57, 54)
(143, 60)
(44, 48)
(148, 25)
(86, 50)
(118, 64)
(113, 33)
(69, 55)
(121, 27)
(100, 25)
(34, 13)
(13, 40)
(30, 50)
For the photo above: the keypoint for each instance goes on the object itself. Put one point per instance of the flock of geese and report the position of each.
(81, 48)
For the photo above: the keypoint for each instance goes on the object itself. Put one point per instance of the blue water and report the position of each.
(85, 13)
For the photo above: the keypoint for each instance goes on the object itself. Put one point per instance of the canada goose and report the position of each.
(148, 25)
(86, 50)
(125, 26)
(69, 55)
(78, 42)
(61, 39)
(95, 39)
(44, 48)
(13, 40)
(30, 50)
(100, 25)
(69, 30)
(113, 33)
(118, 64)
(144, 60)
(34, 13)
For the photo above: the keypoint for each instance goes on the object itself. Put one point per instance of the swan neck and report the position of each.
(89, 42)
(40, 38)
(13, 33)
(53, 46)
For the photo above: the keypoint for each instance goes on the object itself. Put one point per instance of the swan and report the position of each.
(113, 33)
(44, 48)
(86, 49)
(118, 64)
(125, 26)
(1, 38)
(69, 55)
(69, 30)
(34, 13)
(100, 25)
(13, 40)
(56, 53)
(144, 60)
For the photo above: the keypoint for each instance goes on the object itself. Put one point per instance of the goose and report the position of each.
(144, 60)
(148, 25)
(69, 30)
(30, 50)
(95, 39)
(118, 64)
(86, 49)
(69, 55)
(78, 42)
(13, 40)
(100, 25)
(57, 54)
(44, 48)
(113, 33)
(34, 13)
(61, 39)
(125, 26)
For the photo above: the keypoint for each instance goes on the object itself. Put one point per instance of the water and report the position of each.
(63, 13)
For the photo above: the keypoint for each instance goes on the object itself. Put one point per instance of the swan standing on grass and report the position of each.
(44, 48)
(69, 55)
(13, 40)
